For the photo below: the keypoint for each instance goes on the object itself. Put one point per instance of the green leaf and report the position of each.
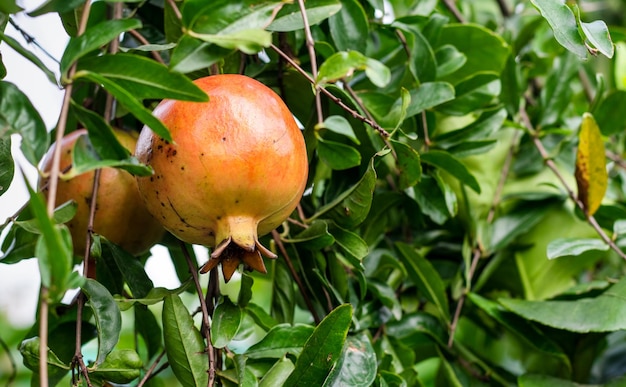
(556, 95)
(9, 7)
(148, 328)
(227, 318)
(93, 38)
(597, 33)
(425, 277)
(351, 207)
(85, 158)
(222, 17)
(282, 339)
(357, 365)
(473, 93)
(191, 54)
(524, 329)
(53, 249)
(18, 115)
(338, 156)
(322, 350)
(427, 96)
(57, 6)
(7, 166)
(608, 112)
(131, 268)
(121, 366)
(107, 316)
(430, 194)
(421, 55)
(249, 41)
(34, 59)
(449, 60)
(447, 162)
(101, 134)
(485, 50)
(340, 125)
(289, 17)
(29, 349)
(518, 221)
(129, 101)
(278, 374)
(184, 345)
(562, 20)
(142, 77)
(418, 323)
(349, 27)
(489, 122)
(408, 164)
(344, 63)
(592, 177)
(314, 237)
(350, 242)
(604, 313)
(564, 247)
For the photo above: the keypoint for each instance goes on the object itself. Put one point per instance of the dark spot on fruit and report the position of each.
(151, 178)
(174, 153)
(162, 204)
(181, 230)
(159, 147)
(223, 138)
(236, 201)
(202, 154)
(182, 168)
(219, 217)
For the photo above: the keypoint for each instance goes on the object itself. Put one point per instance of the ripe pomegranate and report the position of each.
(121, 215)
(236, 169)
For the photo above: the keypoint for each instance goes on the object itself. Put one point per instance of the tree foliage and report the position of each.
(462, 223)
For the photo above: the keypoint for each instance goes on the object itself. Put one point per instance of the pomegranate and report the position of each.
(120, 213)
(236, 169)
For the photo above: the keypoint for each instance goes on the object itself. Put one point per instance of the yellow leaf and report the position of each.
(591, 176)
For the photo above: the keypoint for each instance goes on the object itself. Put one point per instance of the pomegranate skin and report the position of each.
(120, 213)
(236, 169)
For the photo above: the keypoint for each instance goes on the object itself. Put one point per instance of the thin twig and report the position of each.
(570, 192)
(295, 275)
(451, 6)
(461, 302)
(144, 41)
(425, 125)
(31, 40)
(13, 374)
(151, 369)
(504, 8)
(54, 180)
(206, 325)
(330, 95)
(478, 251)
(310, 44)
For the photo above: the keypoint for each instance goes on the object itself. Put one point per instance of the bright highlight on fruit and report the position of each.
(236, 169)
(121, 215)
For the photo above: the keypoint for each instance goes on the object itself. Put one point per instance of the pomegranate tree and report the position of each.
(120, 213)
(235, 170)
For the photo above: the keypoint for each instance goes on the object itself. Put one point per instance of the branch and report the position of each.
(330, 95)
(310, 44)
(451, 6)
(570, 192)
(206, 325)
(295, 275)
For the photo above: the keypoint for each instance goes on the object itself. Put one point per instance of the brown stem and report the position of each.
(54, 180)
(206, 325)
(459, 305)
(503, 175)
(310, 44)
(295, 275)
(504, 8)
(151, 369)
(144, 41)
(451, 6)
(570, 192)
(332, 97)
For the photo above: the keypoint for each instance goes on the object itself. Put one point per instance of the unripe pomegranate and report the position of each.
(121, 215)
(236, 169)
